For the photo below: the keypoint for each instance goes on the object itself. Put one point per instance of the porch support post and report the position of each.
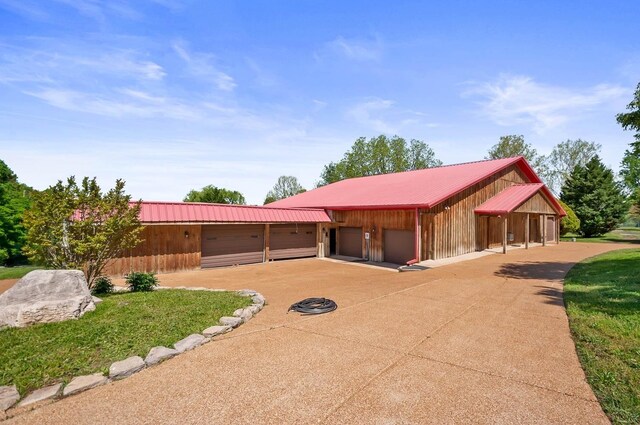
(504, 235)
(558, 218)
(544, 230)
(526, 232)
(418, 236)
(266, 242)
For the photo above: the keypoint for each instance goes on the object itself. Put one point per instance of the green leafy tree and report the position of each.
(379, 155)
(596, 198)
(514, 145)
(570, 223)
(563, 159)
(14, 200)
(630, 167)
(215, 195)
(71, 226)
(285, 187)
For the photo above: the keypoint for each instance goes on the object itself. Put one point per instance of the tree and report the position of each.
(215, 195)
(14, 200)
(563, 159)
(596, 198)
(630, 166)
(379, 155)
(570, 223)
(285, 187)
(71, 226)
(514, 145)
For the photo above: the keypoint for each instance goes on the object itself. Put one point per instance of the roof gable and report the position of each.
(514, 196)
(410, 189)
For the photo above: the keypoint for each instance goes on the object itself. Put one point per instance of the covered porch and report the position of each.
(519, 216)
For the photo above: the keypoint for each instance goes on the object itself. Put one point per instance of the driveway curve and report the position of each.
(481, 341)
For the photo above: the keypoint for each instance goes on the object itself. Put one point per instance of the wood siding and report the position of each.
(538, 203)
(380, 219)
(454, 222)
(163, 249)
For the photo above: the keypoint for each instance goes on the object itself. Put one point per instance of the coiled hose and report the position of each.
(314, 306)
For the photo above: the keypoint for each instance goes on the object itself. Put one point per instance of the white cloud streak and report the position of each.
(519, 100)
(200, 65)
(357, 50)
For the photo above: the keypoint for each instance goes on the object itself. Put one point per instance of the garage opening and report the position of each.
(227, 245)
(398, 245)
(350, 241)
(292, 241)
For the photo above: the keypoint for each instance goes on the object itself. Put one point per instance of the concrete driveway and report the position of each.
(484, 341)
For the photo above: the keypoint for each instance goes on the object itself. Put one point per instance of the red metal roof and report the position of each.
(196, 212)
(514, 196)
(410, 189)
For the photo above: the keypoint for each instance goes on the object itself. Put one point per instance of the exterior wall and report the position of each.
(538, 203)
(164, 248)
(491, 236)
(368, 220)
(449, 229)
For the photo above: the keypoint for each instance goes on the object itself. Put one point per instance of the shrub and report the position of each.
(141, 282)
(569, 223)
(102, 285)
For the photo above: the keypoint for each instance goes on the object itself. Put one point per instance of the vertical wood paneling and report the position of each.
(163, 249)
(455, 223)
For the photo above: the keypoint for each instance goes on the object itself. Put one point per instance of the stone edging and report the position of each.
(9, 395)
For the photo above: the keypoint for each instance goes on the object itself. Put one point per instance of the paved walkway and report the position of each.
(483, 341)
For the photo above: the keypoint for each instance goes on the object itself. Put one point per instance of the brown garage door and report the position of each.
(226, 245)
(350, 241)
(551, 229)
(292, 241)
(399, 246)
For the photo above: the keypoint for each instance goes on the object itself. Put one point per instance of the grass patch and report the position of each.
(622, 235)
(602, 295)
(16, 272)
(123, 325)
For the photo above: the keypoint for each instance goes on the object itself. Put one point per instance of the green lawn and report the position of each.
(123, 325)
(16, 272)
(622, 235)
(602, 295)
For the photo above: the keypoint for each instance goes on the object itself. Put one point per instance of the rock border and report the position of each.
(9, 397)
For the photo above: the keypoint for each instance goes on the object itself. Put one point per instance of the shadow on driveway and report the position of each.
(547, 270)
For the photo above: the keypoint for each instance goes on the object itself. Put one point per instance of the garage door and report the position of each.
(226, 245)
(399, 246)
(350, 241)
(292, 241)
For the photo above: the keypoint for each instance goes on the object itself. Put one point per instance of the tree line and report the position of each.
(77, 225)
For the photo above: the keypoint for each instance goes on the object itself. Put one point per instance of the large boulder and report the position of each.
(44, 296)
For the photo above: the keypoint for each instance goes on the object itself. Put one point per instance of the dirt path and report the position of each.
(484, 341)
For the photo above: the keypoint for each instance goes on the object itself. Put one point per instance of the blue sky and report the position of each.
(173, 95)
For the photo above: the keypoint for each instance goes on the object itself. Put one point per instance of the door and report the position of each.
(399, 246)
(551, 229)
(227, 245)
(292, 241)
(350, 241)
(332, 242)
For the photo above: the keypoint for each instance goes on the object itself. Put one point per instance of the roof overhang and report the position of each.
(514, 196)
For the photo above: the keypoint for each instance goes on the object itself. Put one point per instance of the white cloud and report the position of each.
(359, 50)
(201, 65)
(519, 100)
(368, 114)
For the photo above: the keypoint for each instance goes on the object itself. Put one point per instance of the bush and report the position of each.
(141, 282)
(569, 223)
(102, 285)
